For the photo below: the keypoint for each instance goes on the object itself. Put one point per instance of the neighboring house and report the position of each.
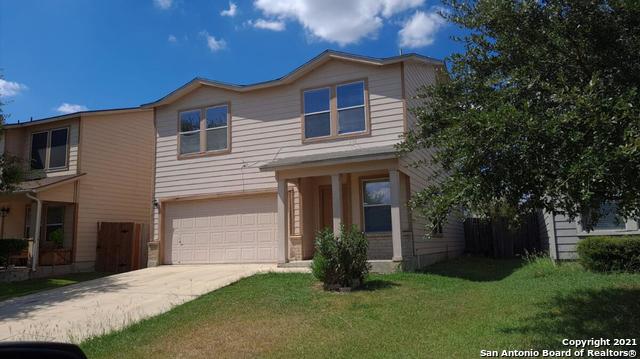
(564, 234)
(83, 168)
(250, 173)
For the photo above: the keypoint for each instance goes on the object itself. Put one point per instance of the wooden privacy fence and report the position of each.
(121, 247)
(494, 237)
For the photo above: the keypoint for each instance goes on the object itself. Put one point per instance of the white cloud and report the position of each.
(339, 21)
(163, 4)
(172, 39)
(420, 29)
(213, 43)
(71, 108)
(10, 88)
(232, 11)
(273, 25)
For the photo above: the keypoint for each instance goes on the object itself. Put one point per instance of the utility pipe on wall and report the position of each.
(36, 232)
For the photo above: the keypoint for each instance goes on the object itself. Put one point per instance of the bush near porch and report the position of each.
(453, 310)
(610, 253)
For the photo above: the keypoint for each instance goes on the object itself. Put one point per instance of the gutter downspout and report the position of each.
(36, 232)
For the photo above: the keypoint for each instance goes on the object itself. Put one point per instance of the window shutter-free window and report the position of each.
(217, 127)
(376, 203)
(58, 151)
(351, 110)
(39, 150)
(610, 219)
(317, 113)
(189, 132)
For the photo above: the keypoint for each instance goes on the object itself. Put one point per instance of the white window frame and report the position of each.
(364, 205)
(226, 127)
(47, 224)
(305, 114)
(180, 133)
(47, 152)
(363, 106)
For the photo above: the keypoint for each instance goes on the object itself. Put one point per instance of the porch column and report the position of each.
(281, 218)
(396, 230)
(336, 197)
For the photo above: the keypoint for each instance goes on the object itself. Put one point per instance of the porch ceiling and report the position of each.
(331, 158)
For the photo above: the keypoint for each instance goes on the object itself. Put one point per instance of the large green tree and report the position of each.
(540, 111)
(11, 167)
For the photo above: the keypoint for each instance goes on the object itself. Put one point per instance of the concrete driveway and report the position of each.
(83, 310)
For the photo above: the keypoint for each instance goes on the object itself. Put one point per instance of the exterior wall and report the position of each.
(14, 222)
(266, 124)
(451, 242)
(117, 157)
(18, 143)
(63, 193)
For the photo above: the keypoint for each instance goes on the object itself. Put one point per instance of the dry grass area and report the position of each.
(452, 310)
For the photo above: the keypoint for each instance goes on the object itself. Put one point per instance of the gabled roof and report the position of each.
(291, 76)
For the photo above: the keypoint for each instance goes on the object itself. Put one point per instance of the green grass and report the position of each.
(17, 289)
(453, 310)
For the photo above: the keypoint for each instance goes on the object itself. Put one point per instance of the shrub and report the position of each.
(610, 254)
(340, 261)
(9, 247)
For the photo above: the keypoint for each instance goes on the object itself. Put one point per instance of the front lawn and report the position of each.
(455, 309)
(16, 289)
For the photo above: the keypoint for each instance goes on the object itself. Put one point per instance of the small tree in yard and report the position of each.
(341, 261)
(11, 167)
(541, 110)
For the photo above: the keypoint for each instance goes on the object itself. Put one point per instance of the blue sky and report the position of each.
(67, 55)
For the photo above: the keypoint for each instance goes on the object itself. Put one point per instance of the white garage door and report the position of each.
(236, 230)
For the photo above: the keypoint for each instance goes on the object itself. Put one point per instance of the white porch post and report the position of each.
(396, 230)
(35, 247)
(281, 227)
(336, 197)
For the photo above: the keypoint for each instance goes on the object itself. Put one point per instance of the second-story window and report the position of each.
(335, 111)
(190, 132)
(204, 130)
(49, 149)
(317, 113)
(351, 113)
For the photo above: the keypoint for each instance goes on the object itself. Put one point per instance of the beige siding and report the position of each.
(61, 193)
(117, 157)
(14, 222)
(266, 125)
(451, 242)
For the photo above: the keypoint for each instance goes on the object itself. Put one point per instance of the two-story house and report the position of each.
(250, 173)
(82, 169)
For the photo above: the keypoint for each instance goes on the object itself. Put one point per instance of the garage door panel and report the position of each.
(222, 231)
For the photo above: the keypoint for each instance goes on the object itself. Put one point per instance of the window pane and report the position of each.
(351, 95)
(317, 125)
(351, 120)
(190, 143)
(58, 154)
(52, 229)
(216, 116)
(217, 139)
(189, 121)
(316, 100)
(38, 150)
(55, 215)
(609, 220)
(377, 192)
(377, 219)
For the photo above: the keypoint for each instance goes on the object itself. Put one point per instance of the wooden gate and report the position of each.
(119, 247)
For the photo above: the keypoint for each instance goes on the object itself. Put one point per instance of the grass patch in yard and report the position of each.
(17, 289)
(453, 309)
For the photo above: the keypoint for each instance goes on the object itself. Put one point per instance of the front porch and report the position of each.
(44, 213)
(367, 190)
